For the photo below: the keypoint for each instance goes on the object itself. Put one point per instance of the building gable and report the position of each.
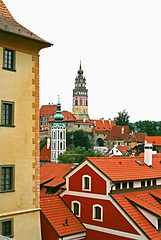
(96, 179)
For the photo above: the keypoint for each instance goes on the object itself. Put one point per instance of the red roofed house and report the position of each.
(121, 135)
(117, 198)
(155, 141)
(119, 150)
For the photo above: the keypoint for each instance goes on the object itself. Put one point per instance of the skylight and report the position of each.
(140, 163)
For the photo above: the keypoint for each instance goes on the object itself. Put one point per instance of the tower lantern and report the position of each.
(80, 97)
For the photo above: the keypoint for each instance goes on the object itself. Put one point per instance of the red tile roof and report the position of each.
(56, 211)
(54, 172)
(10, 25)
(101, 125)
(47, 110)
(45, 154)
(145, 200)
(123, 149)
(117, 134)
(155, 140)
(126, 168)
(68, 117)
(139, 136)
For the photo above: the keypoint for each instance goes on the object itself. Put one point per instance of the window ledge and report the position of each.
(7, 125)
(8, 69)
(7, 191)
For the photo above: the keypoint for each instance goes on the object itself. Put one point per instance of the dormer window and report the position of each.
(148, 183)
(154, 182)
(124, 185)
(142, 183)
(86, 183)
(159, 225)
(117, 186)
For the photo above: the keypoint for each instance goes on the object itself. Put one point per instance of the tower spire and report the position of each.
(80, 96)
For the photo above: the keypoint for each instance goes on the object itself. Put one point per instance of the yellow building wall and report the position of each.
(19, 145)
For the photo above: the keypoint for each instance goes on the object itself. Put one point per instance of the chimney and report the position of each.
(48, 143)
(103, 120)
(122, 130)
(148, 153)
(109, 121)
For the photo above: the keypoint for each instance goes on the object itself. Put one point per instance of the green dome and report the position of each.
(58, 116)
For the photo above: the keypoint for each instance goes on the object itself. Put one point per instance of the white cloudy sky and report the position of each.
(119, 42)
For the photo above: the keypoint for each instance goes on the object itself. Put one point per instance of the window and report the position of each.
(7, 116)
(142, 183)
(6, 178)
(130, 184)
(117, 186)
(76, 208)
(154, 182)
(97, 212)
(9, 59)
(148, 183)
(6, 227)
(124, 185)
(86, 182)
(159, 225)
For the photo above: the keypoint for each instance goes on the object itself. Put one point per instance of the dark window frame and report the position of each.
(124, 185)
(7, 113)
(86, 183)
(131, 184)
(97, 214)
(5, 181)
(143, 183)
(4, 228)
(154, 182)
(76, 208)
(8, 59)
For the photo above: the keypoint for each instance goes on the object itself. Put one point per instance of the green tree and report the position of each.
(78, 138)
(43, 143)
(123, 119)
(151, 128)
(78, 155)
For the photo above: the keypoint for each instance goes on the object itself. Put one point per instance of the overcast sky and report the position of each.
(119, 43)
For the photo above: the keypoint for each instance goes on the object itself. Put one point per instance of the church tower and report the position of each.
(58, 135)
(80, 97)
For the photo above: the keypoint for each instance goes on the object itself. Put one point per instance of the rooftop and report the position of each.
(146, 201)
(155, 140)
(56, 211)
(54, 173)
(126, 168)
(9, 25)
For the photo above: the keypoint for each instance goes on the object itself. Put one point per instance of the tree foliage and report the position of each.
(79, 154)
(151, 128)
(123, 119)
(43, 143)
(78, 138)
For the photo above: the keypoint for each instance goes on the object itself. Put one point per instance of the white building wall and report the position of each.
(58, 142)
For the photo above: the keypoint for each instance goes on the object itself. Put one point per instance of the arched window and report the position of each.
(86, 183)
(97, 212)
(76, 208)
(61, 135)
